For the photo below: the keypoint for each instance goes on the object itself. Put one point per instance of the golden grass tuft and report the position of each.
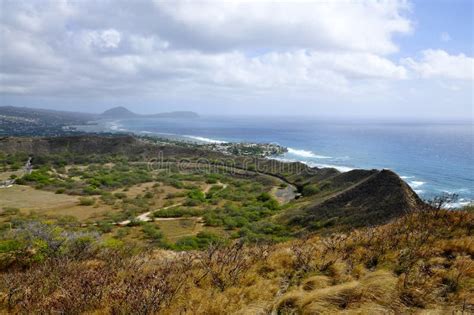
(375, 292)
(289, 303)
(316, 283)
(338, 297)
(380, 287)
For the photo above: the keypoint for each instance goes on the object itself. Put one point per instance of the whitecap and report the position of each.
(340, 168)
(416, 183)
(306, 154)
(206, 140)
(458, 204)
(116, 126)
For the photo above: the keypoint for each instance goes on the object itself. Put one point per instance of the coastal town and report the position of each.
(248, 149)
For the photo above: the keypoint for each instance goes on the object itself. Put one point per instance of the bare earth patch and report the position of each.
(29, 199)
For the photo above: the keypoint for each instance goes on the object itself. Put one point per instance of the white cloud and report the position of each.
(95, 40)
(63, 47)
(316, 51)
(365, 26)
(440, 64)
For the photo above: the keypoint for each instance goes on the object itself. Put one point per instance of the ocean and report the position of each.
(432, 157)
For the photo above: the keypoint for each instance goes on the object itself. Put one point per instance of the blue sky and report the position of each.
(432, 19)
(361, 58)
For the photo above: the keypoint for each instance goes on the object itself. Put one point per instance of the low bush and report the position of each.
(83, 201)
(310, 190)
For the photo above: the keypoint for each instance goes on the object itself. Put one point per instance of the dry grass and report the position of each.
(421, 263)
(174, 229)
(6, 175)
(28, 200)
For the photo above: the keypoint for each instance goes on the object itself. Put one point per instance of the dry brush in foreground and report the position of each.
(420, 263)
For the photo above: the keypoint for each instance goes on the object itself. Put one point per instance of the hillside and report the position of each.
(120, 224)
(118, 112)
(419, 264)
(331, 198)
(355, 198)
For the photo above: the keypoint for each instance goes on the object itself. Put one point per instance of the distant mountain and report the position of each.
(122, 112)
(118, 112)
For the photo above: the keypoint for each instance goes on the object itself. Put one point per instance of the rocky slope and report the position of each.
(356, 198)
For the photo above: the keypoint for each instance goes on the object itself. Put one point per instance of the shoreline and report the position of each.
(291, 155)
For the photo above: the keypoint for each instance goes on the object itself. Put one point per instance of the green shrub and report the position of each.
(192, 202)
(104, 227)
(178, 213)
(211, 181)
(112, 243)
(7, 246)
(197, 194)
(263, 197)
(152, 232)
(310, 190)
(148, 195)
(86, 201)
(201, 241)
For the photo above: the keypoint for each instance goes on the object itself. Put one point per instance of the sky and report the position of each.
(340, 58)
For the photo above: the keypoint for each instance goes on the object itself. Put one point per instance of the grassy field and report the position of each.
(104, 194)
(174, 229)
(28, 199)
(6, 175)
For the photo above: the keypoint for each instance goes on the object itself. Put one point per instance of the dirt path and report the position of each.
(146, 217)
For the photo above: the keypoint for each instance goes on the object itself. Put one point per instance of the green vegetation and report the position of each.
(310, 190)
(200, 241)
(178, 212)
(86, 201)
(153, 233)
(221, 243)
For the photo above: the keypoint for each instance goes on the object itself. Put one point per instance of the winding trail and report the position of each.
(146, 217)
(282, 194)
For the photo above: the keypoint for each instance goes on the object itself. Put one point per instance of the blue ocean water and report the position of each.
(432, 157)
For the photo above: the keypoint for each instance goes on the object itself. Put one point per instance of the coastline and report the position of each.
(418, 184)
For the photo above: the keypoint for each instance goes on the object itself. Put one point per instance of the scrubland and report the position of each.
(420, 263)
